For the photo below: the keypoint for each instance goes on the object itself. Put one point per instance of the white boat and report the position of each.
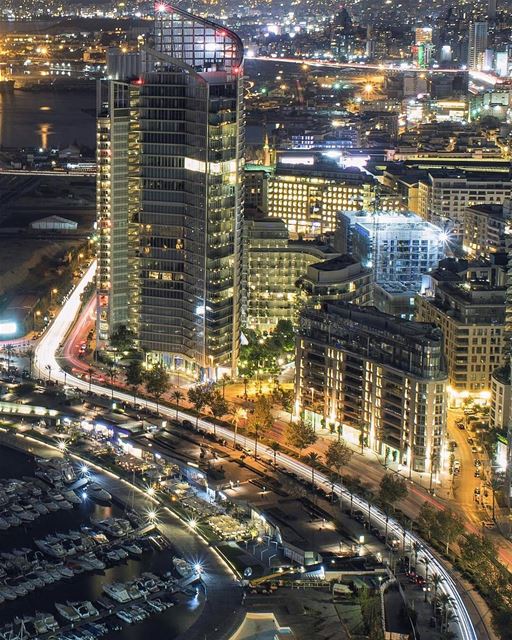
(184, 568)
(56, 550)
(55, 573)
(8, 592)
(13, 520)
(112, 555)
(133, 549)
(19, 589)
(51, 623)
(133, 591)
(112, 526)
(52, 506)
(71, 496)
(67, 612)
(40, 508)
(97, 492)
(27, 516)
(45, 622)
(4, 525)
(124, 616)
(46, 576)
(117, 591)
(84, 609)
(74, 535)
(95, 562)
(91, 608)
(122, 554)
(64, 571)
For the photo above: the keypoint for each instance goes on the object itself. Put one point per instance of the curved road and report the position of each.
(468, 627)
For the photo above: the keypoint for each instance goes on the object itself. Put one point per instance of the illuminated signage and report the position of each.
(8, 328)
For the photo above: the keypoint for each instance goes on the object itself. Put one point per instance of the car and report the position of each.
(477, 473)
(470, 440)
(478, 463)
(477, 491)
(461, 425)
(488, 524)
(456, 471)
(474, 450)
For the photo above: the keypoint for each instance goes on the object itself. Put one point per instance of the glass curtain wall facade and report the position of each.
(185, 196)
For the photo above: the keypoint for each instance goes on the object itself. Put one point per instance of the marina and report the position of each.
(79, 564)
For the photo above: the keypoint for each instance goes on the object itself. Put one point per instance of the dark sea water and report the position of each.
(47, 118)
(87, 586)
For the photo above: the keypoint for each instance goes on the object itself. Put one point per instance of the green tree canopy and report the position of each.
(300, 434)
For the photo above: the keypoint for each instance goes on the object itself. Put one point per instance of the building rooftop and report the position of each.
(490, 209)
(370, 318)
(470, 176)
(334, 264)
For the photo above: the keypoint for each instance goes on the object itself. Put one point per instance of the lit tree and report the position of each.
(134, 377)
(261, 420)
(276, 447)
(157, 383)
(313, 459)
(177, 396)
(300, 434)
(199, 396)
(337, 456)
(218, 407)
(239, 413)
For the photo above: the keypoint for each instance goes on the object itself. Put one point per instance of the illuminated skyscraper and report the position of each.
(170, 161)
(477, 45)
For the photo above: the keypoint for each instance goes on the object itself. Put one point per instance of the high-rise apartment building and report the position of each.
(170, 163)
(381, 381)
(477, 45)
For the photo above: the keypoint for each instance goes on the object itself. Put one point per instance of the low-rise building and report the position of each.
(338, 279)
(466, 300)
(484, 228)
(380, 380)
(444, 196)
(271, 268)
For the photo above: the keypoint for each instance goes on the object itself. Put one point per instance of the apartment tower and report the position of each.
(170, 196)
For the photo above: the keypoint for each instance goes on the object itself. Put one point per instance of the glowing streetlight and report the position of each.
(192, 523)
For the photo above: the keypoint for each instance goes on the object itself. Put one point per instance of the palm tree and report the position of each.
(177, 396)
(445, 601)
(238, 414)
(112, 372)
(246, 381)
(312, 460)
(436, 580)
(426, 562)
(495, 485)
(9, 350)
(89, 373)
(416, 547)
(275, 446)
(30, 355)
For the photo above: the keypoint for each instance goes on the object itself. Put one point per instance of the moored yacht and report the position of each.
(117, 591)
